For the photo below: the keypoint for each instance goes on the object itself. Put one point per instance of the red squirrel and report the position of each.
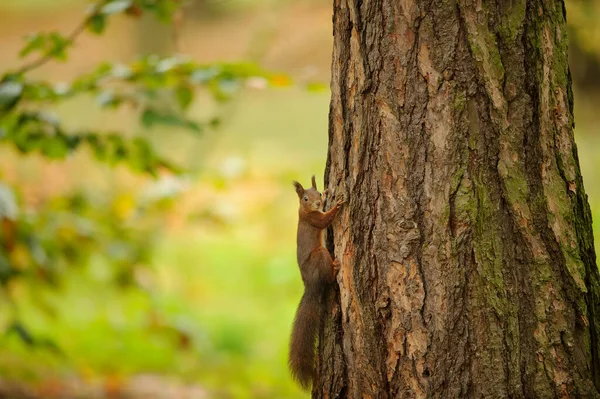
(318, 272)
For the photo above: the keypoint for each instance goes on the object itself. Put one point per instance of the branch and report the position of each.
(71, 38)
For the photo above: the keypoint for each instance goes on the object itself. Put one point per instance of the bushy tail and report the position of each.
(304, 334)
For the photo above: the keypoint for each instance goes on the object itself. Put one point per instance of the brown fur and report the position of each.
(318, 271)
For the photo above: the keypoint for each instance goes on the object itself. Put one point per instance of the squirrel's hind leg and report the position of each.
(324, 268)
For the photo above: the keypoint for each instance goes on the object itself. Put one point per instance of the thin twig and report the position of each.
(47, 57)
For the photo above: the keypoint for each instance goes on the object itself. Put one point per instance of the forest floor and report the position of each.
(141, 386)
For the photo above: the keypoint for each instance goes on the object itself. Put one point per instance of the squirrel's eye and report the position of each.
(305, 198)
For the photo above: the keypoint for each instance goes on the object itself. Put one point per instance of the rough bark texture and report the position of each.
(468, 264)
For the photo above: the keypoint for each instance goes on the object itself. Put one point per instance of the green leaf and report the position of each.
(61, 89)
(10, 92)
(184, 95)
(121, 71)
(225, 88)
(96, 23)
(165, 9)
(37, 251)
(98, 146)
(59, 46)
(8, 204)
(214, 122)
(34, 42)
(29, 142)
(202, 75)
(52, 44)
(316, 87)
(151, 117)
(118, 150)
(6, 272)
(143, 157)
(39, 92)
(50, 345)
(108, 99)
(166, 64)
(73, 142)
(55, 147)
(193, 126)
(49, 118)
(115, 7)
(25, 336)
(229, 86)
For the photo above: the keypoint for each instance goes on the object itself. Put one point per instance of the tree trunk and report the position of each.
(468, 264)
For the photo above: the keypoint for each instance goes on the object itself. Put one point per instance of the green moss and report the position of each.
(457, 179)
(484, 49)
(515, 182)
(488, 248)
(534, 47)
(560, 212)
(496, 62)
(560, 61)
(513, 20)
(465, 202)
(459, 102)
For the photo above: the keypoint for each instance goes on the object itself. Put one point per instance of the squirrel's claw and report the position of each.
(335, 269)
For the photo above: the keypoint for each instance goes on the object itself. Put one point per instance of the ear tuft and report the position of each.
(299, 188)
(314, 182)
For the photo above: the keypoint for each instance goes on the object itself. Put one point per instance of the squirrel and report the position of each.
(318, 272)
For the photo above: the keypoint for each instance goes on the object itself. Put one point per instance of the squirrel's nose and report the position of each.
(318, 203)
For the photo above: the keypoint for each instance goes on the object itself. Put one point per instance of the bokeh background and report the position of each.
(192, 290)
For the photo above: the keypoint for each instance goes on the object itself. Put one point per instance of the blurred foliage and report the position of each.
(584, 37)
(582, 16)
(161, 89)
(41, 243)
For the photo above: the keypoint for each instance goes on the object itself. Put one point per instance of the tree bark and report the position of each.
(468, 263)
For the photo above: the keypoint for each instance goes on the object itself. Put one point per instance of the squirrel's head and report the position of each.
(310, 200)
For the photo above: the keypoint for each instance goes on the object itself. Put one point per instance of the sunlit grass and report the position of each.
(234, 303)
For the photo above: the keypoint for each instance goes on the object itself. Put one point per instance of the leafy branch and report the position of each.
(54, 44)
(160, 89)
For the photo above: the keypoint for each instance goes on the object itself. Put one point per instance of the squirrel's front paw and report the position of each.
(336, 265)
(341, 201)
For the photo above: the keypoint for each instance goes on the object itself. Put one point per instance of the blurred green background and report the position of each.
(191, 287)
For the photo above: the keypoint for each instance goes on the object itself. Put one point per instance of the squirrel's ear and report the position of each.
(299, 188)
(314, 182)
